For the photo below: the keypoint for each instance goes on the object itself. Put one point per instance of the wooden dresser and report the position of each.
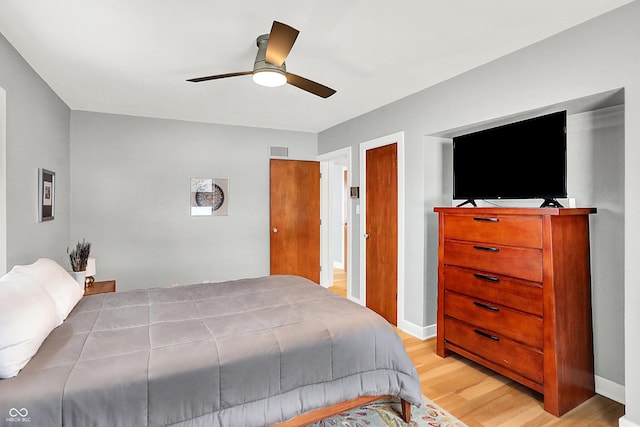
(514, 295)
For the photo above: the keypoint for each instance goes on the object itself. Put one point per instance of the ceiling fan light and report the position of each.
(269, 78)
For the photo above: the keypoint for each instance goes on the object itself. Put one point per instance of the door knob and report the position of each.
(367, 235)
(275, 230)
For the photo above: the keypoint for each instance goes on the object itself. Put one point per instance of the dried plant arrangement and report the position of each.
(79, 256)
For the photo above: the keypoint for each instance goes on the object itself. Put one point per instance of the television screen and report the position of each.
(522, 160)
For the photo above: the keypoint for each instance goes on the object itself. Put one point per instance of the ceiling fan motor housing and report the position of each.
(261, 64)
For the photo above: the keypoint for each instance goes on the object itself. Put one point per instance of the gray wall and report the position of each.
(37, 135)
(598, 56)
(597, 179)
(130, 186)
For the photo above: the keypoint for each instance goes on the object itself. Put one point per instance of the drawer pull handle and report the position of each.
(486, 248)
(486, 219)
(486, 335)
(485, 277)
(486, 306)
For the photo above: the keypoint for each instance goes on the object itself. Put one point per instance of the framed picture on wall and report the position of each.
(209, 197)
(46, 195)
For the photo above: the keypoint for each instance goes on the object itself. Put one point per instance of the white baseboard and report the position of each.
(420, 332)
(338, 264)
(624, 422)
(610, 389)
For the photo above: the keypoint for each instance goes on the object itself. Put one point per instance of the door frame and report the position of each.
(395, 138)
(3, 181)
(326, 259)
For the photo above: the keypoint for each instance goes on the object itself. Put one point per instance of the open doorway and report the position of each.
(338, 225)
(335, 245)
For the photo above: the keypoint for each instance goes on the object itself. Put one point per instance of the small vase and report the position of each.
(79, 277)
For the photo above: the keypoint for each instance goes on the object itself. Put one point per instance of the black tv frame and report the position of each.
(550, 129)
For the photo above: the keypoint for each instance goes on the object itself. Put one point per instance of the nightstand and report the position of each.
(100, 287)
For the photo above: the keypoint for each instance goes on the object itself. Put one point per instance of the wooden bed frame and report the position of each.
(329, 411)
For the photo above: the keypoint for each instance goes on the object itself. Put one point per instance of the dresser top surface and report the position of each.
(515, 211)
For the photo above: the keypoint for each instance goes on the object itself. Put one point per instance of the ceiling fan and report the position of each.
(269, 68)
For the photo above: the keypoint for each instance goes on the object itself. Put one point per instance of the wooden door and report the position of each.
(295, 218)
(382, 231)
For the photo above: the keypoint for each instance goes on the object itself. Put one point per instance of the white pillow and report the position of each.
(56, 281)
(27, 315)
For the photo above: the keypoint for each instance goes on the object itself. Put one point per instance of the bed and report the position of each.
(250, 352)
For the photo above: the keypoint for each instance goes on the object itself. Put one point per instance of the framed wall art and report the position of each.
(209, 197)
(46, 195)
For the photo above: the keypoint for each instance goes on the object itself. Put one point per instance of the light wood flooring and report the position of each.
(480, 397)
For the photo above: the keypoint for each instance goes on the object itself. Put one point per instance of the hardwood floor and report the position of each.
(339, 282)
(480, 397)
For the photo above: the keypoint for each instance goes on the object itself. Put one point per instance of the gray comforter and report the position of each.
(242, 353)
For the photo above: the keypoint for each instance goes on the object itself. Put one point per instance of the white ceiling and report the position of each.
(132, 57)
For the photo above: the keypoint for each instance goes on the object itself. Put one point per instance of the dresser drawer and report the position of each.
(521, 327)
(522, 263)
(518, 294)
(498, 229)
(517, 357)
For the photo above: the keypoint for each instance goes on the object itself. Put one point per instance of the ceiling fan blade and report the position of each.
(309, 86)
(219, 76)
(281, 40)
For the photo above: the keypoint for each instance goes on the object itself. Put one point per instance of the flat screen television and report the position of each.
(521, 160)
